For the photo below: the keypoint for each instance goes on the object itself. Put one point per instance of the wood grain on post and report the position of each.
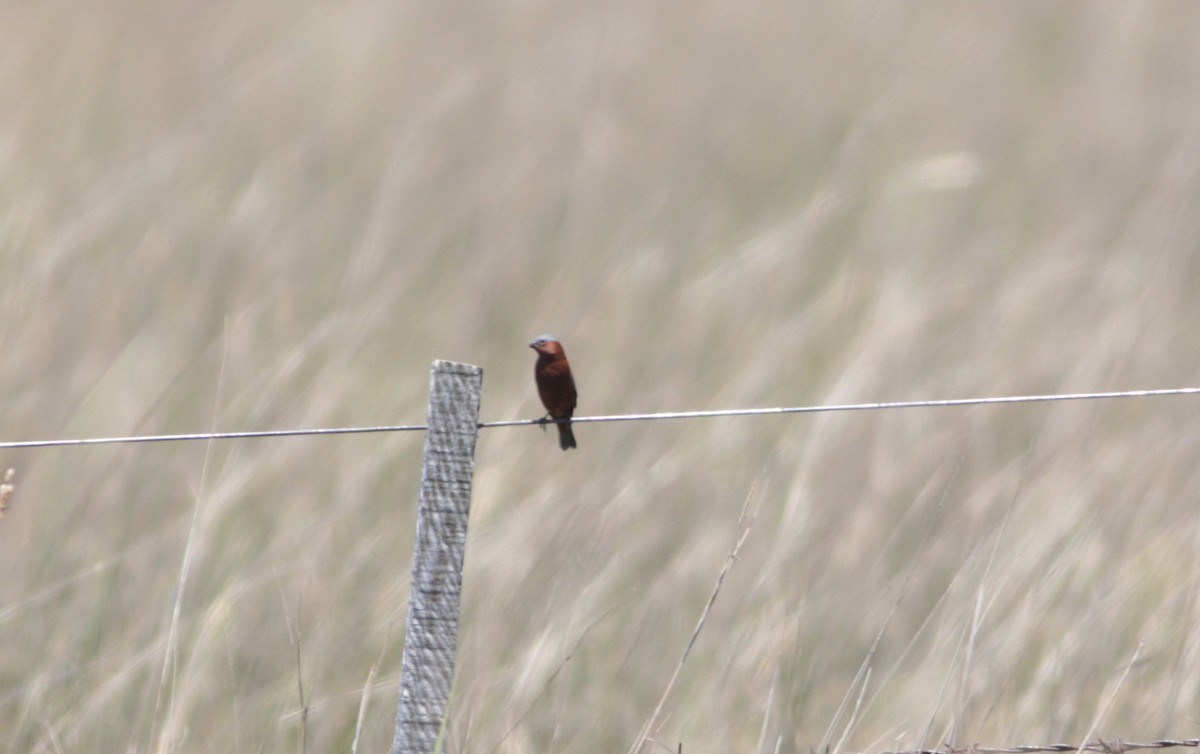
(431, 632)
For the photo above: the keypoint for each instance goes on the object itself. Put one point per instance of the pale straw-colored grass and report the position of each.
(713, 205)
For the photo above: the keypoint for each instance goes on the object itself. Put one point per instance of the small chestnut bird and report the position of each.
(556, 386)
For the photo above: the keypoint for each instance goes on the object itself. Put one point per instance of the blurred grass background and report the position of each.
(276, 215)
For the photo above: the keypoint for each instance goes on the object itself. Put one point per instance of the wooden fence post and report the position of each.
(431, 631)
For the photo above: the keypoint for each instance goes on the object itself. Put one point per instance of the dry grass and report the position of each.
(713, 205)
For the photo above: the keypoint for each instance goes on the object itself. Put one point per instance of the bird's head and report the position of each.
(547, 344)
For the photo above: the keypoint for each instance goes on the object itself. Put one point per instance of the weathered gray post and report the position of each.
(431, 632)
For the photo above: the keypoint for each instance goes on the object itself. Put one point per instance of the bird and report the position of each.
(555, 385)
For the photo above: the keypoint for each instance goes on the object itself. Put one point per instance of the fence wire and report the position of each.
(615, 418)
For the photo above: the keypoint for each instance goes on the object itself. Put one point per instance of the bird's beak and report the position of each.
(533, 345)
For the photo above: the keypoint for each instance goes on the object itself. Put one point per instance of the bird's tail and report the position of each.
(566, 438)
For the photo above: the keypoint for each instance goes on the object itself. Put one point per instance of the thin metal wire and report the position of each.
(861, 406)
(212, 436)
(616, 418)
